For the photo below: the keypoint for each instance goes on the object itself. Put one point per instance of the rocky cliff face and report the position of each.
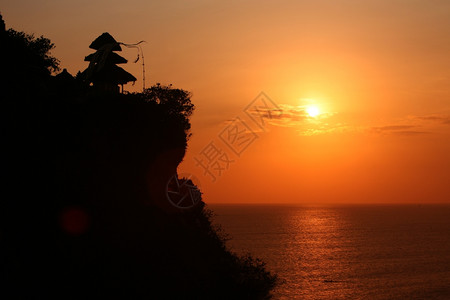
(85, 212)
(89, 213)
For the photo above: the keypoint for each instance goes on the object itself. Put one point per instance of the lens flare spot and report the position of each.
(74, 221)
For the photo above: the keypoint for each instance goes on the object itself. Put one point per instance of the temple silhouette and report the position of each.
(103, 72)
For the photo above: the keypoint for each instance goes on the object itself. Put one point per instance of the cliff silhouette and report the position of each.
(85, 212)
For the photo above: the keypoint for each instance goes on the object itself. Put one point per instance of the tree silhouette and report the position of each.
(32, 53)
(176, 102)
(27, 60)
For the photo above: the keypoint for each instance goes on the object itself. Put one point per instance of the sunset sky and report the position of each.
(358, 91)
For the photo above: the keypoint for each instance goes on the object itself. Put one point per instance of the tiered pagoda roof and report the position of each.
(103, 70)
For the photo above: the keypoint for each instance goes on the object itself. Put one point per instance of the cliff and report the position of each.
(86, 214)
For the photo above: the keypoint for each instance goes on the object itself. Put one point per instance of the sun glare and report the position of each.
(313, 111)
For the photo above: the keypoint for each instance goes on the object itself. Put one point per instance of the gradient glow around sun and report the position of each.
(313, 111)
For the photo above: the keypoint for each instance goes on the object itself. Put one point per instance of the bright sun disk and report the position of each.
(312, 111)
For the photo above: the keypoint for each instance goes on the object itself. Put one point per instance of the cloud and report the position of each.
(291, 116)
(414, 125)
(326, 128)
(442, 119)
(296, 117)
(405, 130)
(394, 127)
(410, 132)
(282, 112)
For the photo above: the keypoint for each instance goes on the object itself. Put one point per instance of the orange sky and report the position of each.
(378, 70)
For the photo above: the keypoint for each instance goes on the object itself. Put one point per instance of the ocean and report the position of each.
(346, 252)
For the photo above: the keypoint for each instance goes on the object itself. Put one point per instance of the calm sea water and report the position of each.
(346, 252)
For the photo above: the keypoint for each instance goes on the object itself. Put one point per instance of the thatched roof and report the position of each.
(112, 58)
(112, 74)
(103, 40)
(120, 75)
(64, 75)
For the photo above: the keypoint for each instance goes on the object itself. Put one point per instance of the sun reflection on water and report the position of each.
(315, 251)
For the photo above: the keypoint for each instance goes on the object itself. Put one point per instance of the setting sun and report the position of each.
(313, 111)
